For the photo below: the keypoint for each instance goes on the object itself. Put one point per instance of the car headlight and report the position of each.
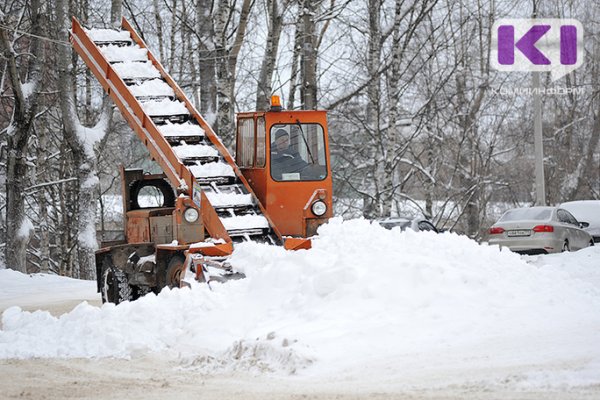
(191, 215)
(319, 208)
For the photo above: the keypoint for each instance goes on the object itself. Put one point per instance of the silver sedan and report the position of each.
(539, 230)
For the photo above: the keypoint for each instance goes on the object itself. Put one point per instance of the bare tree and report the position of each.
(30, 66)
(275, 23)
(308, 61)
(81, 140)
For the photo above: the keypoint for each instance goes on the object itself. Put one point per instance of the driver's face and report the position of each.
(282, 143)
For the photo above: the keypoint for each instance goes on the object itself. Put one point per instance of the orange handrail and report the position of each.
(160, 150)
(210, 133)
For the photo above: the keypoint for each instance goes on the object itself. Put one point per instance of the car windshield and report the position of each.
(520, 214)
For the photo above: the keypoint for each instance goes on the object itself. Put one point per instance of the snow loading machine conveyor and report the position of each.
(278, 192)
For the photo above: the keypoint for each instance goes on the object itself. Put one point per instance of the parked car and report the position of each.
(416, 224)
(539, 230)
(586, 211)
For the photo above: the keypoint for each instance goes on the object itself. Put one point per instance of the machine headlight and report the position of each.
(191, 215)
(319, 208)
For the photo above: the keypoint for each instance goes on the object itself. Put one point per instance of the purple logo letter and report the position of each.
(506, 44)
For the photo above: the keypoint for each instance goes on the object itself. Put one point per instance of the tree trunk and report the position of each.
(18, 227)
(173, 34)
(373, 64)
(295, 56)
(264, 87)
(206, 61)
(159, 31)
(83, 152)
(224, 78)
(42, 201)
(309, 58)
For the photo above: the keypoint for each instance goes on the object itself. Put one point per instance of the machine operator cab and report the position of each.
(284, 155)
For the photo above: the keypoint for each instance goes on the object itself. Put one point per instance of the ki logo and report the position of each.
(554, 45)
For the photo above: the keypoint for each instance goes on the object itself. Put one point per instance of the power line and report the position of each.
(35, 36)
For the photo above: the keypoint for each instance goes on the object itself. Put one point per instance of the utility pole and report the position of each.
(538, 139)
(540, 187)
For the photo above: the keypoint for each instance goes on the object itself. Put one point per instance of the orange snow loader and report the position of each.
(185, 222)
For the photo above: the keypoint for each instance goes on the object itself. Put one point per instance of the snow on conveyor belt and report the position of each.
(154, 87)
(185, 129)
(195, 150)
(212, 170)
(108, 35)
(136, 70)
(164, 107)
(115, 53)
(245, 222)
(229, 199)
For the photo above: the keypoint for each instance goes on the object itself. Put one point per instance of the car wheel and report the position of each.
(591, 243)
(566, 246)
(115, 287)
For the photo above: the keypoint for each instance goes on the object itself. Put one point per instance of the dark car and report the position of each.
(416, 224)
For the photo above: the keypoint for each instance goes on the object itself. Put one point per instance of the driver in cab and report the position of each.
(286, 162)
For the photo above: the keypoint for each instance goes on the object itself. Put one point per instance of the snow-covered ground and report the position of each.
(386, 310)
(31, 291)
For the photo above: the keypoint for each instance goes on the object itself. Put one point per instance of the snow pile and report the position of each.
(268, 354)
(108, 35)
(229, 199)
(195, 150)
(245, 222)
(120, 53)
(136, 70)
(211, 170)
(164, 107)
(185, 129)
(363, 303)
(153, 87)
(28, 289)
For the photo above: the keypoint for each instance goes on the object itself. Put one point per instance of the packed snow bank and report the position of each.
(26, 290)
(363, 302)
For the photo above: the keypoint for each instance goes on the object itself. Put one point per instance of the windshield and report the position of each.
(298, 152)
(528, 214)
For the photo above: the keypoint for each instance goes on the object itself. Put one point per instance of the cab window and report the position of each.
(261, 145)
(245, 143)
(298, 152)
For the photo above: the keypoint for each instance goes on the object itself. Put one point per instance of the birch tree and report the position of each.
(28, 65)
(206, 60)
(81, 140)
(275, 24)
(308, 61)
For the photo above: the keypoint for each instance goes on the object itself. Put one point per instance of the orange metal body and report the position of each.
(288, 203)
